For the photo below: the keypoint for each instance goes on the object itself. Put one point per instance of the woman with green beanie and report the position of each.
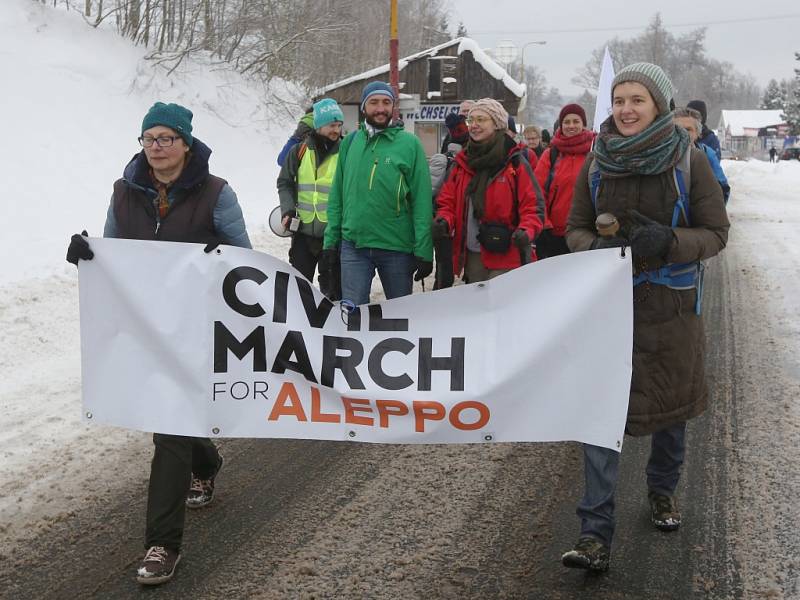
(671, 215)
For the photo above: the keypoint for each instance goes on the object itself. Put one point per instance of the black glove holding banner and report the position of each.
(422, 269)
(79, 248)
(523, 242)
(649, 239)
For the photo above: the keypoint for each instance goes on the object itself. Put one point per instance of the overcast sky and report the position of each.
(764, 48)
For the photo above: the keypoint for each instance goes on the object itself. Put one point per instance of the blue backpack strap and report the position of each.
(594, 182)
(681, 174)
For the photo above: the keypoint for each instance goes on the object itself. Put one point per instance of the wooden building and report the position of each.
(432, 85)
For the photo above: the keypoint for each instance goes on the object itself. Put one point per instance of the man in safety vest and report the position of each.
(303, 187)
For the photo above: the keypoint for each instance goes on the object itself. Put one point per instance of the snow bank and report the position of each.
(74, 98)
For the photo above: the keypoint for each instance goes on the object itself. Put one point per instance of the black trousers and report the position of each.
(304, 256)
(175, 458)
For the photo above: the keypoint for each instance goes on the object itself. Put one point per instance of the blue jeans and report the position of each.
(601, 465)
(358, 269)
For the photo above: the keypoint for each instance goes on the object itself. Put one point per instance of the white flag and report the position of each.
(602, 108)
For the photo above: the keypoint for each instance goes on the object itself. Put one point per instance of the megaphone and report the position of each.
(276, 225)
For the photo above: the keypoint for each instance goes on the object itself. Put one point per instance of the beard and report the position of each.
(383, 120)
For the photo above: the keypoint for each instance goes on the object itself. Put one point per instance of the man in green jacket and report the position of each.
(379, 207)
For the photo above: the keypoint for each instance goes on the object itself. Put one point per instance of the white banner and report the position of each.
(602, 107)
(237, 343)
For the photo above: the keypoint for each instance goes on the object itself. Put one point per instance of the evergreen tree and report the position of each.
(462, 30)
(791, 112)
(773, 96)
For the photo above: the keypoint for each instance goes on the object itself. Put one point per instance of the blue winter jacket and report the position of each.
(717, 168)
(710, 139)
(228, 218)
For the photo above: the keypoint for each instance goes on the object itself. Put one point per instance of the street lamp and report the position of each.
(522, 57)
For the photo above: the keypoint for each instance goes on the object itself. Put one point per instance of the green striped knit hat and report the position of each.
(650, 76)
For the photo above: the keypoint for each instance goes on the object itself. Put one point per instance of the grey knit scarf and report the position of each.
(656, 149)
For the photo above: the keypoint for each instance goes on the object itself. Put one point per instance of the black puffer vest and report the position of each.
(191, 215)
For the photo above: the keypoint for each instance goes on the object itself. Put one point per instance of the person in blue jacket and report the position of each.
(304, 127)
(690, 120)
(707, 137)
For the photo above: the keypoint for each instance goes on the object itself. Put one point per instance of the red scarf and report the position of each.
(575, 144)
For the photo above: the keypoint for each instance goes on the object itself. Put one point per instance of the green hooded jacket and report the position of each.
(381, 193)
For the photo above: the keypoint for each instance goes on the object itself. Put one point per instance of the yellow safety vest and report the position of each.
(313, 186)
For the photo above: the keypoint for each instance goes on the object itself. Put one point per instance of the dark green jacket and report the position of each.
(381, 194)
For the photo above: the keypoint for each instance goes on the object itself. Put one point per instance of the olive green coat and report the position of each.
(668, 384)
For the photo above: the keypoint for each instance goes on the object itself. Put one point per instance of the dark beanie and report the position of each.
(174, 116)
(572, 109)
(545, 136)
(457, 127)
(700, 107)
(374, 88)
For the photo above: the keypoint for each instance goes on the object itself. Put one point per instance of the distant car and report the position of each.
(730, 155)
(790, 154)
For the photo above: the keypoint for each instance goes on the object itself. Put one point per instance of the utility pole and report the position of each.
(394, 72)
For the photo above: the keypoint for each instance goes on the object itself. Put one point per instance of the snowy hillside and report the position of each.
(73, 102)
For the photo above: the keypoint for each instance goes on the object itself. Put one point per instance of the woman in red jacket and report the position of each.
(556, 173)
(490, 206)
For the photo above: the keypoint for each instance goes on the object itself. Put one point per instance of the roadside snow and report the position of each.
(74, 98)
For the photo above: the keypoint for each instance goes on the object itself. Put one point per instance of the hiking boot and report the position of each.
(664, 512)
(201, 492)
(588, 553)
(158, 565)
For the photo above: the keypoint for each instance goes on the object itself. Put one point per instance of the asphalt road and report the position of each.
(306, 519)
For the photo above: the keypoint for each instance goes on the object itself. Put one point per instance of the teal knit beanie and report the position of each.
(650, 76)
(173, 116)
(327, 111)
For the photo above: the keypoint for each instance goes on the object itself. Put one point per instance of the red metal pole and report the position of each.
(394, 71)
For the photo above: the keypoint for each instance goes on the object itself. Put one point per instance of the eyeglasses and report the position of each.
(163, 141)
(478, 120)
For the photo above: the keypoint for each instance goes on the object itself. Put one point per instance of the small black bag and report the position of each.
(495, 237)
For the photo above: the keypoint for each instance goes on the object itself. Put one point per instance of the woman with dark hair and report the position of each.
(556, 174)
(644, 173)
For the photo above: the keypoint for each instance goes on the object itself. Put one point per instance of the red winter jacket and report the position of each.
(498, 208)
(559, 199)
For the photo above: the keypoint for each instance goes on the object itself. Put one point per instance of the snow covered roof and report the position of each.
(739, 120)
(491, 66)
(464, 44)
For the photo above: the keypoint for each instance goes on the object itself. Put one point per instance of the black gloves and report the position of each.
(79, 249)
(520, 238)
(523, 242)
(649, 239)
(439, 229)
(330, 279)
(422, 269)
(612, 242)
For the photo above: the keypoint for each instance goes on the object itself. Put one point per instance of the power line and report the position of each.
(637, 27)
